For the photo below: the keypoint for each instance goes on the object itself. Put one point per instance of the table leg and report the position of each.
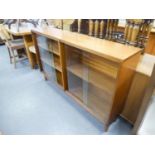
(31, 56)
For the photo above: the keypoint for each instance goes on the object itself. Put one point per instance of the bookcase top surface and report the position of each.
(146, 64)
(104, 48)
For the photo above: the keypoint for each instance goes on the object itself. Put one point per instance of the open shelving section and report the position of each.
(50, 49)
(50, 57)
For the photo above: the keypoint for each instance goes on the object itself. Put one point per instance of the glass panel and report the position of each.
(47, 58)
(97, 88)
(99, 97)
(92, 86)
(75, 72)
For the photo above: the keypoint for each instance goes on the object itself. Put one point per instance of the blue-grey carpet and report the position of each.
(30, 105)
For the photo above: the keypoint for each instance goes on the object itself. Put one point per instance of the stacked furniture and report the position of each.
(96, 73)
(136, 32)
(99, 28)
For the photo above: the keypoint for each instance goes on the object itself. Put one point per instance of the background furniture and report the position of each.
(150, 46)
(13, 45)
(1, 24)
(138, 88)
(65, 24)
(9, 22)
(136, 32)
(25, 32)
(147, 41)
(80, 26)
(131, 32)
(145, 105)
(75, 61)
(2, 37)
(99, 28)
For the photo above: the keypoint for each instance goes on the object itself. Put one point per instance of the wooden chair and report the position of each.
(74, 26)
(103, 28)
(80, 26)
(13, 46)
(131, 32)
(111, 29)
(87, 26)
(144, 33)
(136, 32)
(99, 28)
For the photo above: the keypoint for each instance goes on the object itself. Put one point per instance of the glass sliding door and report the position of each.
(88, 82)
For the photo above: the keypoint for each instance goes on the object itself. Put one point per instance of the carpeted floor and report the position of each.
(30, 105)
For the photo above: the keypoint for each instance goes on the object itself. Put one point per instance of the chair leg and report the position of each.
(9, 54)
(14, 58)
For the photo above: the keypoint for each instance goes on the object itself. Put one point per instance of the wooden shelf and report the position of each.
(56, 65)
(106, 67)
(56, 82)
(53, 75)
(43, 46)
(59, 78)
(95, 78)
